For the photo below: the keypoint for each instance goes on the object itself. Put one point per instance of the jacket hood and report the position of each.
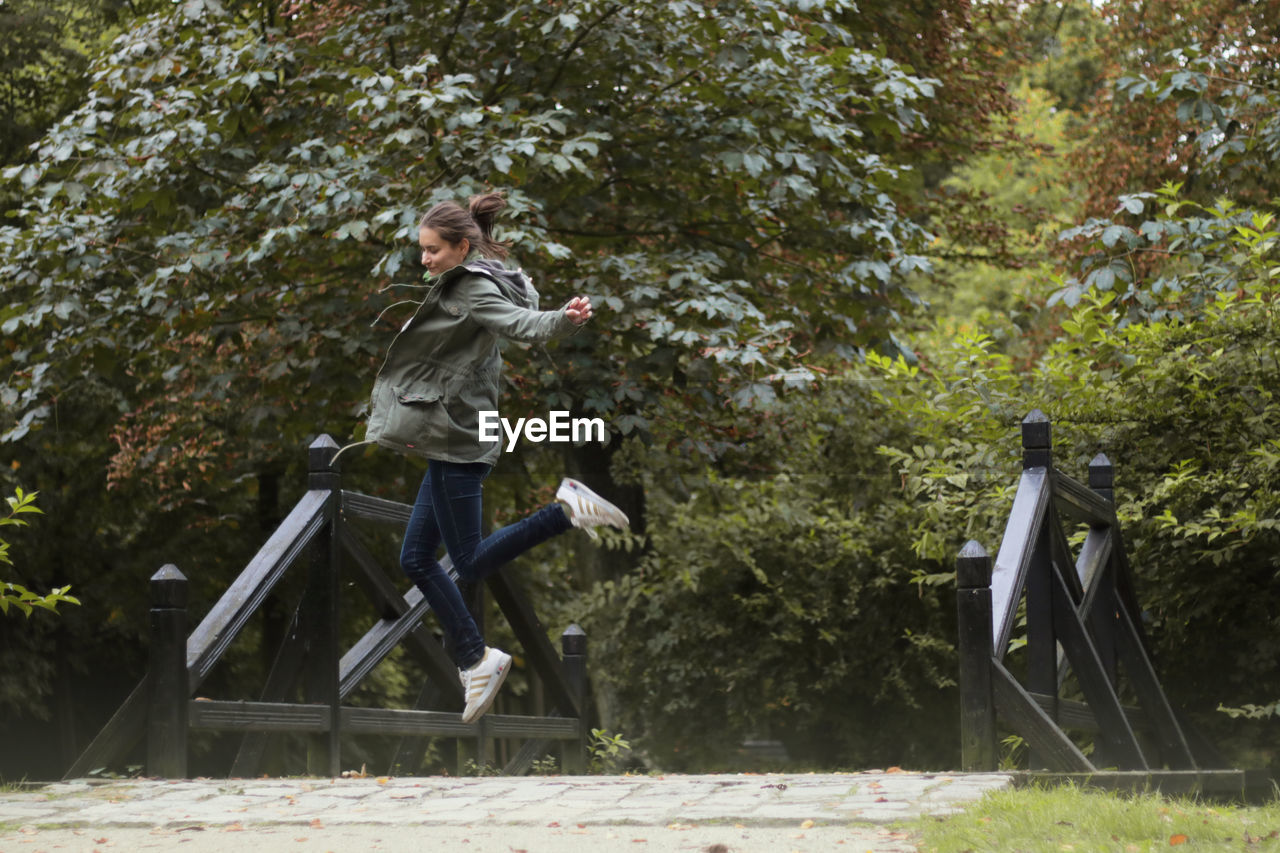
(515, 285)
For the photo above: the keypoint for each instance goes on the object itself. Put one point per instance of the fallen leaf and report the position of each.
(235, 827)
(882, 799)
(382, 780)
(300, 840)
(316, 823)
(1175, 840)
(639, 841)
(894, 770)
(554, 823)
(808, 824)
(101, 840)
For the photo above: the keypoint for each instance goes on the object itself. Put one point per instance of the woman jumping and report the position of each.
(442, 369)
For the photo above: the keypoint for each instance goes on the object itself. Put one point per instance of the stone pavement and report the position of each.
(741, 813)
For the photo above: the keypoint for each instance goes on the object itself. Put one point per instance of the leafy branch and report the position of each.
(15, 595)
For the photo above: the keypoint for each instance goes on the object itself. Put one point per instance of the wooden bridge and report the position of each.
(319, 533)
(1085, 648)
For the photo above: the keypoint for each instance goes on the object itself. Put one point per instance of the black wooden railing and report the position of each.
(1082, 620)
(164, 707)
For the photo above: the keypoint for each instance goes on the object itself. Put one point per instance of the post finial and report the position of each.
(574, 640)
(1102, 476)
(169, 588)
(1036, 440)
(973, 567)
(320, 455)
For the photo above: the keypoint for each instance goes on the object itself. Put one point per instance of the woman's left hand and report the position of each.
(579, 309)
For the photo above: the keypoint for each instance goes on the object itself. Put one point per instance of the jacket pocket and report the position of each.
(417, 420)
(408, 398)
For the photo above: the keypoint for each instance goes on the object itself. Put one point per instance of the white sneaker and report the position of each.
(480, 683)
(586, 509)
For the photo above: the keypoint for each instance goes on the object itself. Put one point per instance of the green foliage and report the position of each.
(15, 595)
(1178, 394)
(1180, 259)
(1230, 96)
(608, 751)
(200, 209)
(775, 600)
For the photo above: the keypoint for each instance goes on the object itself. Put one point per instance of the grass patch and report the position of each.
(1066, 818)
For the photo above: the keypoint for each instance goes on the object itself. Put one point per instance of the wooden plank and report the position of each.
(118, 736)
(399, 721)
(1029, 720)
(1010, 574)
(388, 601)
(258, 716)
(1121, 743)
(1187, 783)
(383, 637)
(245, 595)
(1081, 503)
(1042, 642)
(533, 639)
(1095, 554)
(1142, 675)
(1085, 597)
(396, 721)
(554, 728)
(1078, 716)
(356, 505)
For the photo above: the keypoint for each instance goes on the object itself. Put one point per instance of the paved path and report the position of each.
(741, 813)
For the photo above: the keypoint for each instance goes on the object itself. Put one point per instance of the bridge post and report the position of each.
(168, 691)
(1102, 478)
(320, 676)
(977, 702)
(573, 645)
(1042, 642)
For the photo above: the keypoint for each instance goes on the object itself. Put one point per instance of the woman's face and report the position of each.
(439, 255)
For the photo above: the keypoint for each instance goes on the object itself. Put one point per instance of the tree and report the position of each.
(199, 240)
(1193, 102)
(205, 206)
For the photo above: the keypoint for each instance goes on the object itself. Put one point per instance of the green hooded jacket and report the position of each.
(444, 366)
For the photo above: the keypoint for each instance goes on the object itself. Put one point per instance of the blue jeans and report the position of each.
(449, 508)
